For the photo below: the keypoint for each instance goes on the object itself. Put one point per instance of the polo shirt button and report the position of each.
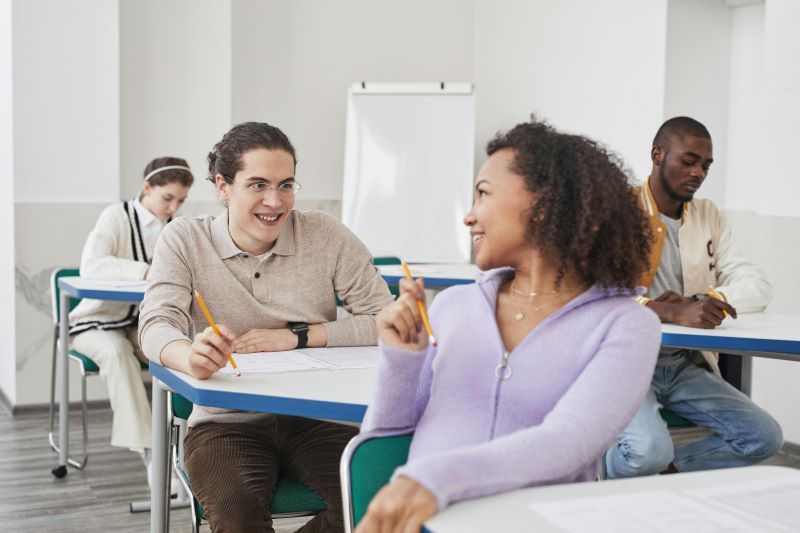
(258, 275)
(659, 230)
(244, 256)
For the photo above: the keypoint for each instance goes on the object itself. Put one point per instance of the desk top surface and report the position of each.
(753, 332)
(511, 512)
(436, 275)
(326, 394)
(127, 290)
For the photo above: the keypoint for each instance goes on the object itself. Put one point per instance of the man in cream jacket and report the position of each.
(693, 254)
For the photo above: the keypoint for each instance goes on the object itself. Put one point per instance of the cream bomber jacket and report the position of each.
(709, 258)
(113, 250)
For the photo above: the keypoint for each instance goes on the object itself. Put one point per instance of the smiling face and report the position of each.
(164, 200)
(498, 218)
(256, 208)
(683, 165)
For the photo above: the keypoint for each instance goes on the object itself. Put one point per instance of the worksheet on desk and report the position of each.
(345, 357)
(304, 360)
(273, 363)
(656, 511)
(774, 501)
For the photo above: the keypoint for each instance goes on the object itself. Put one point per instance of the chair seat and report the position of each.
(89, 366)
(674, 421)
(291, 497)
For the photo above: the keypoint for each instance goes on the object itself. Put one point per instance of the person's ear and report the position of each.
(222, 188)
(657, 155)
(147, 188)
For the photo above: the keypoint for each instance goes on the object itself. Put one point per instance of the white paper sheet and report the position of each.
(773, 500)
(272, 362)
(347, 357)
(658, 511)
(304, 360)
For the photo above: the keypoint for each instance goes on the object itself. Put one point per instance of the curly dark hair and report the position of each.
(585, 214)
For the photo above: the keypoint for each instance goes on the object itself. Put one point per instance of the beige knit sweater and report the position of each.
(315, 259)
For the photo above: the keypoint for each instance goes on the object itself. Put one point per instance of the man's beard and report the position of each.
(672, 193)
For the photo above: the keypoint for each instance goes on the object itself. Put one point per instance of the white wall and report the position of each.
(7, 312)
(745, 151)
(176, 84)
(66, 100)
(595, 68)
(294, 61)
(66, 157)
(697, 76)
(762, 183)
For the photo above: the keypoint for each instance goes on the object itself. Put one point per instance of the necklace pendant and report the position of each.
(519, 315)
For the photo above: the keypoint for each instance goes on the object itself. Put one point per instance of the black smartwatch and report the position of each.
(301, 330)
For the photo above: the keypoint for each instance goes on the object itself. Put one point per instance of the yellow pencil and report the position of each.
(422, 312)
(715, 294)
(216, 329)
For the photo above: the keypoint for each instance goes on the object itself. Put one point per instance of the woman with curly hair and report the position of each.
(539, 364)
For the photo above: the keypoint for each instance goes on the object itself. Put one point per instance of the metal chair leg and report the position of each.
(53, 394)
(51, 433)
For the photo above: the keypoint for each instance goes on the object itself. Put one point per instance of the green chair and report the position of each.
(368, 463)
(389, 260)
(86, 365)
(377, 261)
(291, 497)
(674, 421)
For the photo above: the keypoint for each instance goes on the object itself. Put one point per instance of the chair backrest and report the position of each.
(367, 465)
(181, 407)
(55, 292)
(389, 260)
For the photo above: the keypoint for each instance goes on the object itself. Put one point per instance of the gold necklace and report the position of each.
(520, 315)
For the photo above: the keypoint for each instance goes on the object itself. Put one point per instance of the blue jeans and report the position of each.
(743, 433)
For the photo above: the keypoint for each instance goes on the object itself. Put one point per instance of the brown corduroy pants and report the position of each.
(234, 467)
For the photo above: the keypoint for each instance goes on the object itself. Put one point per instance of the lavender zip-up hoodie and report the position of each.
(577, 380)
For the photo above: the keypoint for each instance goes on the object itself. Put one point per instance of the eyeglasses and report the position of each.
(285, 189)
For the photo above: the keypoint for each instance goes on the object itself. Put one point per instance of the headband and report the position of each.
(169, 167)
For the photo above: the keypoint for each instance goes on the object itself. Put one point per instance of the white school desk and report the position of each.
(80, 288)
(510, 512)
(338, 395)
(437, 276)
(771, 335)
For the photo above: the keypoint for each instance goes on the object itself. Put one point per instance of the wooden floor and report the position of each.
(97, 498)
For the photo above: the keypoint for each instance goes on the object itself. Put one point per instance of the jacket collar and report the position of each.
(489, 284)
(649, 202)
(226, 248)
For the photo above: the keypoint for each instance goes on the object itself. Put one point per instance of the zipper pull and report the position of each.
(503, 370)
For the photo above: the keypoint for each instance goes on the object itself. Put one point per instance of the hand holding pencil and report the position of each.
(212, 348)
(405, 324)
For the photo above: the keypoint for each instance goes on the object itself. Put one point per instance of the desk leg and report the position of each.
(159, 492)
(63, 380)
(747, 375)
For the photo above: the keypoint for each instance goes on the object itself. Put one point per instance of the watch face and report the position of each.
(298, 327)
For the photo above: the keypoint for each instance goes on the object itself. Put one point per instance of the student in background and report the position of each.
(271, 275)
(696, 278)
(544, 359)
(120, 248)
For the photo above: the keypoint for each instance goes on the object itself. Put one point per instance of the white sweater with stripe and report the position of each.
(113, 250)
